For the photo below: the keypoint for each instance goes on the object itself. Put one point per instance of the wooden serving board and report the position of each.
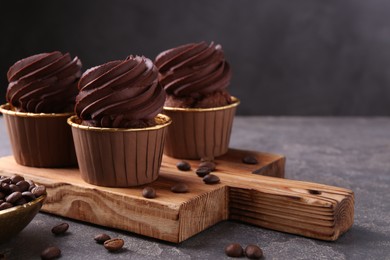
(303, 208)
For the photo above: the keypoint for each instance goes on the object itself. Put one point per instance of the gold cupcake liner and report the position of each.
(199, 132)
(118, 157)
(40, 139)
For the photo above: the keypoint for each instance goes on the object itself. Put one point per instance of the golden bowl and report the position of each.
(15, 219)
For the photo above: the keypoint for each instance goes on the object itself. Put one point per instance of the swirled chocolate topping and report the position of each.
(120, 94)
(193, 70)
(44, 83)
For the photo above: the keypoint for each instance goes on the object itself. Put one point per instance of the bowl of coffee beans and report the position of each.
(20, 201)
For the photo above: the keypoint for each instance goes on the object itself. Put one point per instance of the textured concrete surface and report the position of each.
(347, 152)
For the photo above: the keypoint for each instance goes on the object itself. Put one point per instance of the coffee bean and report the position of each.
(20, 201)
(202, 171)
(211, 179)
(39, 190)
(14, 188)
(5, 180)
(23, 185)
(101, 238)
(249, 160)
(50, 253)
(5, 205)
(13, 197)
(253, 252)
(2, 195)
(60, 229)
(149, 192)
(179, 188)
(210, 165)
(28, 196)
(114, 244)
(183, 166)
(16, 178)
(234, 250)
(4, 187)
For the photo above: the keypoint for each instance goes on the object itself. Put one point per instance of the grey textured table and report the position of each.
(349, 152)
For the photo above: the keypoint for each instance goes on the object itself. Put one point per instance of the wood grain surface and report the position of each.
(245, 193)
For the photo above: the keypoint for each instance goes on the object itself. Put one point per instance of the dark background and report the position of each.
(289, 57)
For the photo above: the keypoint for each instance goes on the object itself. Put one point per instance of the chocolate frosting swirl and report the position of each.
(44, 83)
(121, 94)
(193, 69)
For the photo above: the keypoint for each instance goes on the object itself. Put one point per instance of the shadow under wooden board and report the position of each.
(303, 208)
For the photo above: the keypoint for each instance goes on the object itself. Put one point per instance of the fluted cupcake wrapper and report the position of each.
(198, 133)
(40, 139)
(116, 157)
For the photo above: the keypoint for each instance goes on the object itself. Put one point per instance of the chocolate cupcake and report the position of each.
(41, 96)
(195, 77)
(118, 132)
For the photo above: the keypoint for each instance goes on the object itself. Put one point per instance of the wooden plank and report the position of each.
(303, 208)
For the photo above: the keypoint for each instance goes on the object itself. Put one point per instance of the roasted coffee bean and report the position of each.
(149, 192)
(211, 179)
(13, 197)
(183, 166)
(4, 187)
(249, 160)
(20, 201)
(14, 188)
(101, 238)
(2, 195)
(39, 190)
(253, 252)
(23, 185)
(5, 205)
(114, 244)
(16, 178)
(179, 188)
(60, 229)
(210, 165)
(50, 253)
(5, 180)
(28, 196)
(202, 171)
(234, 250)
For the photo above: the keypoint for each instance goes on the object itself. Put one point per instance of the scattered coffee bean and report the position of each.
(16, 178)
(211, 179)
(39, 190)
(234, 250)
(50, 253)
(23, 186)
(179, 188)
(210, 165)
(5, 205)
(253, 252)
(202, 171)
(183, 166)
(114, 244)
(60, 229)
(249, 160)
(13, 197)
(149, 192)
(101, 238)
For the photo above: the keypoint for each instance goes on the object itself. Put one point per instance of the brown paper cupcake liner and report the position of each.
(199, 132)
(40, 139)
(117, 157)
